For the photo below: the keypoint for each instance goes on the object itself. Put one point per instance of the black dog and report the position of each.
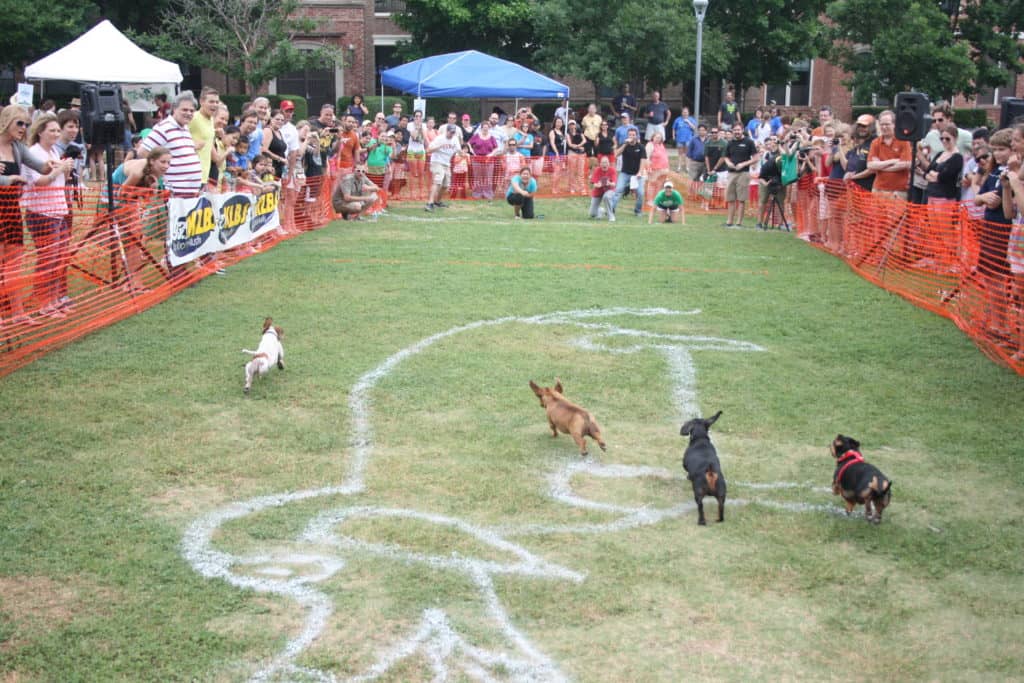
(702, 467)
(857, 481)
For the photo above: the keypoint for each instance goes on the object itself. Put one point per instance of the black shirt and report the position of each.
(631, 157)
(857, 161)
(739, 151)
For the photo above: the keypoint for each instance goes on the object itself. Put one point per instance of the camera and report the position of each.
(72, 152)
(835, 141)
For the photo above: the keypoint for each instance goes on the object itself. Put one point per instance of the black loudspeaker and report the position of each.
(913, 116)
(1012, 112)
(102, 116)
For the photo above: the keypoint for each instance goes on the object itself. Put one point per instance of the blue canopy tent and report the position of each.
(471, 74)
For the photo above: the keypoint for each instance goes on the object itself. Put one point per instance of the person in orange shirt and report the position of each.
(890, 159)
(348, 145)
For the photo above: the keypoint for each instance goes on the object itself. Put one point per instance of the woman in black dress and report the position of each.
(274, 145)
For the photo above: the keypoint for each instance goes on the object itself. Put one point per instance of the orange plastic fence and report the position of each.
(92, 269)
(943, 257)
(76, 267)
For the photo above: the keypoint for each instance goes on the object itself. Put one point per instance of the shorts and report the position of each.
(738, 188)
(653, 128)
(416, 156)
(441, 174)
(1015, 251)
(589, 148)
(12, 231)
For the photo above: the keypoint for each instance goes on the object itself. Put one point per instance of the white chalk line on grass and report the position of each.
(293, 574)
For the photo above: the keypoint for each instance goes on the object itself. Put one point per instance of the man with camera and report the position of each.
(771, 191)
(327, 130)
(740, 154)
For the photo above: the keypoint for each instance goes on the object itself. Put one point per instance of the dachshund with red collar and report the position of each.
(858, 481)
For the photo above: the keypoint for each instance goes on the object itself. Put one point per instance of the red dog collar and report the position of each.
(849, 458)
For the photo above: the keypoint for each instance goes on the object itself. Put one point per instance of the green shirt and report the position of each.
(668, 200)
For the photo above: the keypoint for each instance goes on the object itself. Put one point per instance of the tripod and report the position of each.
(774, 204)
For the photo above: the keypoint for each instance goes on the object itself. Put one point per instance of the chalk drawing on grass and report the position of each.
(295, 574)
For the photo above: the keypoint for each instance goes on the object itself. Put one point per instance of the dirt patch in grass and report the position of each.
(39, 604)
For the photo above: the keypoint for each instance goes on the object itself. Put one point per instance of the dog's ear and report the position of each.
(558, 386)
(711, 420)
(853, 443)
(280, 332)
(267, 323)
(686, 428)
(536, 389)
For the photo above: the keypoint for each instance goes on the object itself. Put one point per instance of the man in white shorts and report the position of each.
(441, 151)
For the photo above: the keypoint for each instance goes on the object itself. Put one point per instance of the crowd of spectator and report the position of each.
(196, 144)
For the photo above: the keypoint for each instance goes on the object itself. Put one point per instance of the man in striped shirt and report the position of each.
(184, 178)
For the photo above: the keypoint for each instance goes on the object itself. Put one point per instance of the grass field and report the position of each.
(392, 507)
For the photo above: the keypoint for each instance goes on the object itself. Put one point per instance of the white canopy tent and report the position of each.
(104, 55)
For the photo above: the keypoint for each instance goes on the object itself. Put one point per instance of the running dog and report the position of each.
(702, 466)
(858, 481)
(567, 417)
(269, 352)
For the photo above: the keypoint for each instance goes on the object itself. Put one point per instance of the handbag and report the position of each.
(790, 168)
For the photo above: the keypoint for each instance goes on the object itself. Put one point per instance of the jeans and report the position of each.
(604, 200)
(620, 189)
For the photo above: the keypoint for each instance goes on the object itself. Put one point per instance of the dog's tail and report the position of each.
(250, 352)
(712, 478)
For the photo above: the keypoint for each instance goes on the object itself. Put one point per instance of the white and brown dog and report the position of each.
(269, 352)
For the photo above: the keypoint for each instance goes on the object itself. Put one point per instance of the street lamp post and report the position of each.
(699, 8)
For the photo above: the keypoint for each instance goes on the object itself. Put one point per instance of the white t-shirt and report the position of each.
(444, 148)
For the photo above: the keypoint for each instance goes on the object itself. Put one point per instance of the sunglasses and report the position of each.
(946, 138)
(984, 156)
(21, 124)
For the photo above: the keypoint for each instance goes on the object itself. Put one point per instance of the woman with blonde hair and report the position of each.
(14, 157)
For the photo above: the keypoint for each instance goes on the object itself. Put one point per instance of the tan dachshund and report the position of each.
(567, 417)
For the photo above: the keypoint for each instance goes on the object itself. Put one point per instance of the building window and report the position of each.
(796, 93)
(992, 97)
(388, 6)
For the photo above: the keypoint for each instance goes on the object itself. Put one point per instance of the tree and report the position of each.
(890, 46)
(31, 32)
(250, 40)
(501, 28)
(624, 41)
(767, 36)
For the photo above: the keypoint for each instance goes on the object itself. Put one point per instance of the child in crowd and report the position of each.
(261, 177)
(460, 173)
(238, 162)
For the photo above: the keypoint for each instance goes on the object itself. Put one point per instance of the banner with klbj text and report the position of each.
(216, 222)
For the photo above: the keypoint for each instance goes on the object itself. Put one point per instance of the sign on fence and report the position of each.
(215, 222)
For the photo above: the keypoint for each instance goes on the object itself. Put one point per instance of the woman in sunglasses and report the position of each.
(944, 169)
(14, 123)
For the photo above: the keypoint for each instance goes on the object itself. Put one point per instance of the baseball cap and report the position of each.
(465, 117)
(865, 120)
(451, 127)
(287, 105)
(668, 183)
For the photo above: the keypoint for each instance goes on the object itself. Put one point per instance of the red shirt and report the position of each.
(348, 149)
(602, 180)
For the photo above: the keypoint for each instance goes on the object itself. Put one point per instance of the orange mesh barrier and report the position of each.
(941, 256)
(62, 279)
(73, 267)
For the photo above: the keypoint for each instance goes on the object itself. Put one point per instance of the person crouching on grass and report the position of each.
(669, 205)
(520, 193)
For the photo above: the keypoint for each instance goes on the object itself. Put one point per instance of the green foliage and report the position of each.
(31, 32)
(971, 118)
(765, 36)
(374, 104)
(616, 42)
(301, 105)
(250, 40)
(501, 28)
(912, 46)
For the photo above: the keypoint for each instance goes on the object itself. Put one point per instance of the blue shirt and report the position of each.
(682, 132)
(622, 132)
(696, 149)
(517, 180)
